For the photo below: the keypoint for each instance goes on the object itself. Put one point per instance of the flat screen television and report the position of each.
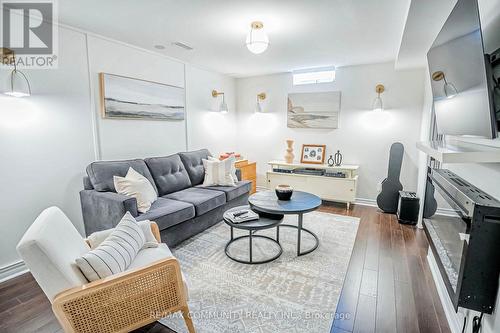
(464, 64)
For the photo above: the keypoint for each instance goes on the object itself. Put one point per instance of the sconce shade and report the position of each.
(449, 90)
(377, 104)
(257, 40)
(223, 106)
(19, 85)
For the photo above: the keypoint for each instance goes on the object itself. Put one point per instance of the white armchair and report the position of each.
(152, 287)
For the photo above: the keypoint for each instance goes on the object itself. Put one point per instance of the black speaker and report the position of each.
(408, 207)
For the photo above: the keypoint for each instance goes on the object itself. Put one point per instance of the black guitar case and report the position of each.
(387, 200)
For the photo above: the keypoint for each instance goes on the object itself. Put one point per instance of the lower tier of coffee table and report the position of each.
(251, 236)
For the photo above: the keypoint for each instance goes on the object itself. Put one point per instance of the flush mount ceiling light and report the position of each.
(223, 105)
(257, 40)
(260, 97)
(449, 88)
(19, 84)
(377, 103)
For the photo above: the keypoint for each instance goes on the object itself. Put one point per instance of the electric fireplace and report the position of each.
(465, 239)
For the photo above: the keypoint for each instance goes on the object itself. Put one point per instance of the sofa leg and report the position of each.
(187, 319)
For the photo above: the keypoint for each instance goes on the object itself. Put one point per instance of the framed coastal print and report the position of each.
(128, 98)
(313, 110)
(313, 154)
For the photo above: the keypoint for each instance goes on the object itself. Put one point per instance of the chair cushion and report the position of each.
(203, 200)
(169, 173)
(101, 173)
(194, 165)
(167, 213)
(232, 192)
(148, 256)
(115, 253)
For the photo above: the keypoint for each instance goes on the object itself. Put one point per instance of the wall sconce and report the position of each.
(260, 97)
(449, 88)
(377, 103)
(223, 105)
(19, 83)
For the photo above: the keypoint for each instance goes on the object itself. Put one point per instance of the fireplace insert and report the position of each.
(464, 235)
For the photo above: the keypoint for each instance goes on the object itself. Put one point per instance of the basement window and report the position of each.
(314, 75)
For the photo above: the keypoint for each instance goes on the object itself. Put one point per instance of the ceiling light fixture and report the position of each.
(377, 103)
(223, 105)
(449, 88)
(258, 106)
(257, 40)
(19, 83)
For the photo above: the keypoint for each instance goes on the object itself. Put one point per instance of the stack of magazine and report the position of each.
(243, 215)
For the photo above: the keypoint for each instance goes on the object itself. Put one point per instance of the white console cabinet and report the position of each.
(327, 188)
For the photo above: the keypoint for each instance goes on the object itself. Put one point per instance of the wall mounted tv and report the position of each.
(464, 64)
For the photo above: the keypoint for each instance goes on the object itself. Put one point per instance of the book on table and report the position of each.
(243, 215)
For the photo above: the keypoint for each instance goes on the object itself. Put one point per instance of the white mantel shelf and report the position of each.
(459, 152)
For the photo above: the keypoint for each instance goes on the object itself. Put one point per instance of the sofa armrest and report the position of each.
(125, 301)
(103, 210)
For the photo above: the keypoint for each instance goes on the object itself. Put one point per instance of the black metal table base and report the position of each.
(250, 237)
(299, 230)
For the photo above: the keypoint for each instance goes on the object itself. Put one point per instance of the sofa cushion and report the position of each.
(167, 213)
(232, 192)
(194, 165)
(169, 173)
(101, 173)
(203, 200)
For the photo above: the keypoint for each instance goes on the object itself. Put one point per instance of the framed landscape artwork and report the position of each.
(313, 110)
(313, 154)
(127, 98)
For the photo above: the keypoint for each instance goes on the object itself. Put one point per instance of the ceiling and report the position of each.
(302, 33)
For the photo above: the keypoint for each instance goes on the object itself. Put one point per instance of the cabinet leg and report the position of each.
(348, 205)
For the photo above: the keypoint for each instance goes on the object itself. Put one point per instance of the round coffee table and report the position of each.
(265, 221)
(300, 203)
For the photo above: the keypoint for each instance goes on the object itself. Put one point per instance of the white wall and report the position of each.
(48, 139)
(120, 139)
(363, 138)
(208, 129)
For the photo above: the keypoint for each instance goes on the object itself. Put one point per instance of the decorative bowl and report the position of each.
(284, 192)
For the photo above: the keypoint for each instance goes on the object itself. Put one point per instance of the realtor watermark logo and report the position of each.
(29, 29)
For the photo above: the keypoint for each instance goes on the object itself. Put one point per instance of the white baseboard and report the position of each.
(455, 320)
(366, 202)
(11, 271)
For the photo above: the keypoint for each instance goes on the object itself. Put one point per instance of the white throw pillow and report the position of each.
(96, 238)
(233, 166)
(115, 253)
(136, 185)
(218, 172)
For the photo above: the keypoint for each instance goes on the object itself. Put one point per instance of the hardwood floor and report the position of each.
(388, 287)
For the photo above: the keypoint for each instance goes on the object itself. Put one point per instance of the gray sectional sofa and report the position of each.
(183, 208)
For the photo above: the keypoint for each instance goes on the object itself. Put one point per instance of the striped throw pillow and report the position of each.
(115, 253)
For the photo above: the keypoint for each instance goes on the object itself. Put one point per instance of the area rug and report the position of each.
(290, 294)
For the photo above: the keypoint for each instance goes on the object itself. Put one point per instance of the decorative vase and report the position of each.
(289, 152)
(284, 192)
(338, 158)
(330, 161)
